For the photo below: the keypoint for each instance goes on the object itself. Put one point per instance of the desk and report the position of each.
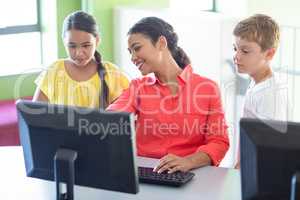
(210, 183)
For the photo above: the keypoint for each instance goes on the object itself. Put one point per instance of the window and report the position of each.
(20, 36)
(287, 62)
(207, 5)
(220, 6)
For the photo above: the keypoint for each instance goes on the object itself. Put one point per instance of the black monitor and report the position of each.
(270, 159)
(71, 144)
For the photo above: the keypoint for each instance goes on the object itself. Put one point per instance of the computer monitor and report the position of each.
(270, 157)
(97, 147)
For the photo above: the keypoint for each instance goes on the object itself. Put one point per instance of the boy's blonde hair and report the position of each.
(259, 28)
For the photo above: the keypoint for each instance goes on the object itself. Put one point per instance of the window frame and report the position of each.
(28, 28)
(213, 7)
(24, 28)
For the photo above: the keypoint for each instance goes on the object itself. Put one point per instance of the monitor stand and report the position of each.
(295, 186)
(64, 170)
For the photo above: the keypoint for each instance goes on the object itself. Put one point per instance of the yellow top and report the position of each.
(60, 88)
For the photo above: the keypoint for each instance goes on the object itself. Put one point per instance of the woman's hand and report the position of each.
(173, 163)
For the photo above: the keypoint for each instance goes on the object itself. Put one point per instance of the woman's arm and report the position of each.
(216, 135)
(216, 141)
(127, 101)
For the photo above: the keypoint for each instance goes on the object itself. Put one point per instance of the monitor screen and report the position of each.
(270, 156)
(104, 143)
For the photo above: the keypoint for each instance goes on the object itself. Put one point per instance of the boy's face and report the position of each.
(249, 57)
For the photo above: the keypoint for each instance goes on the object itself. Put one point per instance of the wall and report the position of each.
(103, 11)
(64, 7)
(8, 84)
(285, 12)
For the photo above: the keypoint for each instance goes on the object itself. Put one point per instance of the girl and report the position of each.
(82, 79)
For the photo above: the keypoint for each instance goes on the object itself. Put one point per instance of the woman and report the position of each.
(82, 79)
(179, 113)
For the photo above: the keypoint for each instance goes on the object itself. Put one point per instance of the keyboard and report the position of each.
(146, 175)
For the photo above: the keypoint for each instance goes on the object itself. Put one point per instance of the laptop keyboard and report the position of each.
(146, 175)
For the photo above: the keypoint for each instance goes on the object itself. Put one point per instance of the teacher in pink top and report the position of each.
(180, 119)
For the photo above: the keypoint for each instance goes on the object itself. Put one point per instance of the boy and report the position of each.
(256, 41)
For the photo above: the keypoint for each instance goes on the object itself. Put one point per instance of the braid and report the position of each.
(105, 89)
(177, 52)
(180, 57)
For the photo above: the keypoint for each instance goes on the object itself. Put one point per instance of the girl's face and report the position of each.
(249, 57)
(80, 46)
(144, 54)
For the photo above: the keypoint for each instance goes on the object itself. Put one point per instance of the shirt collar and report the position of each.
(183, 76)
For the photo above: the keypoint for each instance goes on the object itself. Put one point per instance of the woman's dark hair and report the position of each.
(83, 21)
(153, 28)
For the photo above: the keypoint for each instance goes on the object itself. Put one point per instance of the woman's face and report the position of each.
(144, 54)
(80, 46)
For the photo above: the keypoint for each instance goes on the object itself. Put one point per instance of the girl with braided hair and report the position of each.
(82, 79)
